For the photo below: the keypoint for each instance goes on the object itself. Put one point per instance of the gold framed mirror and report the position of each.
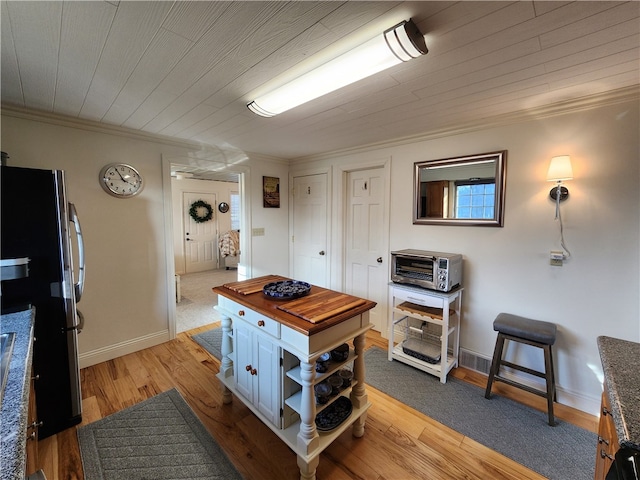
(465, 190)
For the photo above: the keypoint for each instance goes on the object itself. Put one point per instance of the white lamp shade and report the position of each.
(395, 46)
(560, 169)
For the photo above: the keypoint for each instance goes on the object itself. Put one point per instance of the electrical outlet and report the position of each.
(556, 258)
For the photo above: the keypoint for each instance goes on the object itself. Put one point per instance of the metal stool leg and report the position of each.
(495, 363)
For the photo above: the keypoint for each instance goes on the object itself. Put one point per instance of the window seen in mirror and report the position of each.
(475, 198)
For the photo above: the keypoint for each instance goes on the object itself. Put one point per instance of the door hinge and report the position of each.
(281, 361)
(281, 412)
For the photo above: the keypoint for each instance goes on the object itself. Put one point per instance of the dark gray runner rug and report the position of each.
(158, 439)
(563, 452)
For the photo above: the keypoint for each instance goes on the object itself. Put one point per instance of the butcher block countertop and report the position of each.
(320, 309)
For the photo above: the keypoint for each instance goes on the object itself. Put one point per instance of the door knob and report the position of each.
(321, 252)
(189, 240)
(379, 260)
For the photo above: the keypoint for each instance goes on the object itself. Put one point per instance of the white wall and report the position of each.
(269, 252)
(127, 302)
(507, 269)
(222, 191)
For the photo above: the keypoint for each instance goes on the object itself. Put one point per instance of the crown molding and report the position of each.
(590, 102)
(89, 125)
(81, 124)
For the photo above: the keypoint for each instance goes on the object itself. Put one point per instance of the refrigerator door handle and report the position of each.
(80, 321)
(78, 287)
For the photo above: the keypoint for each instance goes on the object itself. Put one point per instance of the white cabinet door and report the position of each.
(257, 364)
(242, 346)
(266, 382)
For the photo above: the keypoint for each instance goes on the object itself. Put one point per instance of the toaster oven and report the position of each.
(433, 270)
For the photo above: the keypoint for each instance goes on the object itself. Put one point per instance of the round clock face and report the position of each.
(121, 180)
(223, 207)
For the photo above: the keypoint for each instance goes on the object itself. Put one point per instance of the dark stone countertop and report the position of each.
(621, 365)
(15, 403)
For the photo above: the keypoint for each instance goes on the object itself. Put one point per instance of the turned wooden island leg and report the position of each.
(226, 365)
(308, 470)
(308, 439)
(359, 392)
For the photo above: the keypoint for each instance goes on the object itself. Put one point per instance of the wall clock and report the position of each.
(121, 180)
(223, 207)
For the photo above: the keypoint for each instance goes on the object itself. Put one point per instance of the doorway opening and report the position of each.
(191, 301)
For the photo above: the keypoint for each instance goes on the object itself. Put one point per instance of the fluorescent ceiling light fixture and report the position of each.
(398, 44)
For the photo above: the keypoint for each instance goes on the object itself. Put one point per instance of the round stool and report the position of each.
(531, 332)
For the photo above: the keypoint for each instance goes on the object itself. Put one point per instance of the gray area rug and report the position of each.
(563, 452)
(158, 439)
(211, 340)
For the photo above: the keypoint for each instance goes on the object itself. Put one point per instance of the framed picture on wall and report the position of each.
(270, 192)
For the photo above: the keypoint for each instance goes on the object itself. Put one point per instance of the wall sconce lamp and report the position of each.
(559, 170)
(400, 43)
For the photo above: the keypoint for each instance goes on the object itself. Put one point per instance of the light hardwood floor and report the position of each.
(399, 443)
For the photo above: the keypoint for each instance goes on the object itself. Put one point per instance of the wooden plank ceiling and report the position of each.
(187, 69)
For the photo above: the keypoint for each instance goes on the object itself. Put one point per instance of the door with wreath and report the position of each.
(200, 227)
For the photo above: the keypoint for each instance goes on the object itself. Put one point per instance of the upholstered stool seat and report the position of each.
(531, 332)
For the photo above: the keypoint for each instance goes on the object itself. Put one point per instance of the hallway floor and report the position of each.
(195, 307)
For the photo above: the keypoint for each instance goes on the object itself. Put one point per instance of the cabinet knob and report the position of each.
(241, 313)
(261, 323)
(36, 377)
(248, 368)
(254, 371)
(32, 436)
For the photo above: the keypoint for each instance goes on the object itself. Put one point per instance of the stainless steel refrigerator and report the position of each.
(40, 224)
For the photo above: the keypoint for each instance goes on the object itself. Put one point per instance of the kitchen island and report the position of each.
(269, 351)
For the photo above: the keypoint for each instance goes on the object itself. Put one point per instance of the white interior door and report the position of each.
(200, 239)
(310, 229)
(366, 272)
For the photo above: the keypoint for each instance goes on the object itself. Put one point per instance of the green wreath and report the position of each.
(194, 211)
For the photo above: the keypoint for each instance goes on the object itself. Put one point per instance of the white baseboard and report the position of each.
(567, 397)
(578, 400)
(123, 348)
